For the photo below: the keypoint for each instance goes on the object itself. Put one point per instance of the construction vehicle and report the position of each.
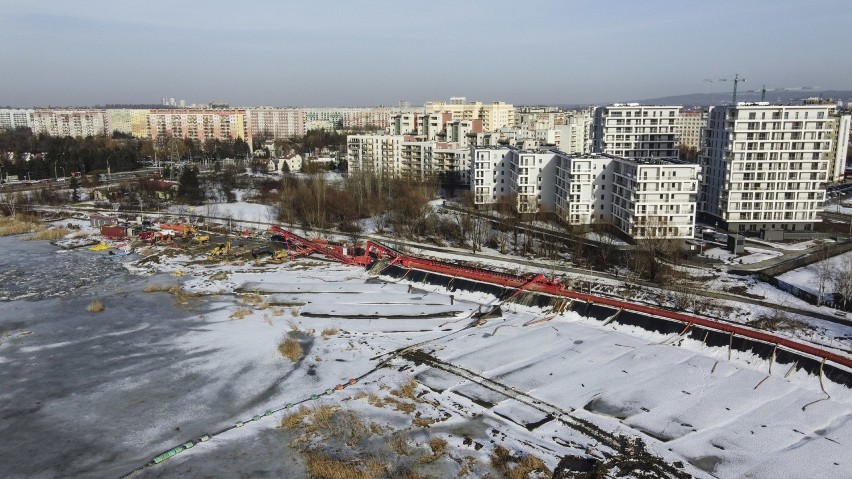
(201, 239)
(221, 249)
(180, 230)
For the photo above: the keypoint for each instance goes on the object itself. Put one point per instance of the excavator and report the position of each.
(201, 239)
(221, 249)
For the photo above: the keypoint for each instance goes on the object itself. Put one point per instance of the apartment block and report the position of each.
(130, 121)
(766, 166)
(630, 130)
(641, 198)
(377, 154)
(274, 123)
(11, 118)
(199, 125)
(334, 118)
(71, 122)
(494, 116)
(526, 177)
(688, 128)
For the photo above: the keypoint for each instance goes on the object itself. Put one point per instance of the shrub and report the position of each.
(241, 313)
(290, 349)
(95, 306)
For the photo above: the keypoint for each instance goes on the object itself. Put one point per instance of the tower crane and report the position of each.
(737, 80)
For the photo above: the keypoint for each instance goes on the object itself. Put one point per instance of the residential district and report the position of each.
(462, 289)
(645, 170)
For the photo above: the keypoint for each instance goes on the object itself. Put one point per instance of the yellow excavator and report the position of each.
(201, 239)
(221, 249)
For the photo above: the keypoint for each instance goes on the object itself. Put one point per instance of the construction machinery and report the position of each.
(201, 239)
(178, 229)
(221, 249)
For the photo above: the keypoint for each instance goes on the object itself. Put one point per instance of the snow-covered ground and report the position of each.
(100, 394)
(752, 255)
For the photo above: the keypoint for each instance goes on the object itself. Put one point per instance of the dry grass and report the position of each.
(290, 349)
(50, 234)
(467, 464)
(294, 312)
(424, 421)
(406, 390)
(267, 319)
(398, 443)
(18, 224)
(252, 298)
(328, 421)
(182, 296)
(320, 465)
(296, 419)
(328, 332)
(276, 311)
(157, 288)
(518, 468)
(95, 306)
(438, 446)
(241, 313)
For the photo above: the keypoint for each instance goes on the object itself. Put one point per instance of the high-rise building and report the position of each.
(129, 121)
(71, 122)
(199, 125)
(11, 118)
(274, 123)
(642, 198)
(494, 116)
(688, 128)
(634, 131)
(574, 136)
(406, 156)
(765, 166)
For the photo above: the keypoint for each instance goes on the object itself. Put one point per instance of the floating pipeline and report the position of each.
(785, 352)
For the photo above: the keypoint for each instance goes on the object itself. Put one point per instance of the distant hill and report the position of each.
(772, 96)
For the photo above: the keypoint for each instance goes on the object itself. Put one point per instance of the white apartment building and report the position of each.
(391, 156)
(76, 123)
(490, 174)
(11, 118)
(688, 128)
(642, 198)
(634, 131)
(575, 136)
(460, 132)
(526, 176)
(377, 154)
(654, 198)
(765, 166)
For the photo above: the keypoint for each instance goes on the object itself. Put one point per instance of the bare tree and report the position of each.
(842, 276)
(825, 272)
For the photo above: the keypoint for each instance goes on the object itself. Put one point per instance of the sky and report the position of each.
(377, 52)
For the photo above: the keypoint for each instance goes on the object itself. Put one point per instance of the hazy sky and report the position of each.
(372, 52)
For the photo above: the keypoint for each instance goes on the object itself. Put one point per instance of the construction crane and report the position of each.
(736, 81)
